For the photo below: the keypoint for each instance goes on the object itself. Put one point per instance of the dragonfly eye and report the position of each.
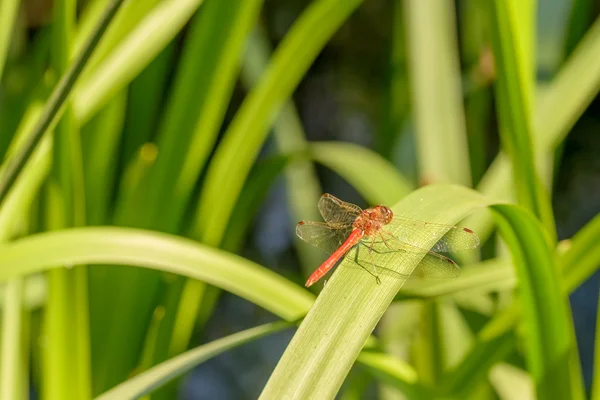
(387, 214)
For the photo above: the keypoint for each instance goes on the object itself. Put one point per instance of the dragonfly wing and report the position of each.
(453, 238)
(386, 255)
(327, 237)
(337, 211)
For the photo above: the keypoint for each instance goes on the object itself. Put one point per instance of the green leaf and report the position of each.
(549, 338)
(487, 350)
(256, 188)
(8, 16)
(248, 130)
(437, 104)
(53, 106)
(125, 246)
(395, 372)
(329, 339)
(302, 184)
(579, 82)
(372, 175)
(512, 24)
(130, 57)
(157, 376)
(11, 362)
(582, 257)
(487, 276)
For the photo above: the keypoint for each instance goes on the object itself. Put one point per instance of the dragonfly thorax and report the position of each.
(371, 220)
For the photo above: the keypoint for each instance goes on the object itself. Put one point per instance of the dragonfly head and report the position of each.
(387, 214)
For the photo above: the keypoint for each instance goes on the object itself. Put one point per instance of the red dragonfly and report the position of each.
(378, 237)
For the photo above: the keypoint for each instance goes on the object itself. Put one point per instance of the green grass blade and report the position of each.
(130, 57)
(372, 175)
(596, 377)
(67, 314)
(148, 381)
(54, 103)
(580, 19)
(8, 17)
(579, 81)
(248, 130)
(397, 95)
(329, 339)
(256, 188)
(487, 350)
(550, 342)
(11, 363)
(582, 258)
(125, 246)
(511, 382)
(512, 43)
(34, 293)
(195, 112)
(302, 184)
(395, 372)
(437, 102)
(100, 141)
(577, 266)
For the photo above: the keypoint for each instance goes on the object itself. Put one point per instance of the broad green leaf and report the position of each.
(126, 246)
(372, 175)
(329, 339)
(437, 105)
(157, 376)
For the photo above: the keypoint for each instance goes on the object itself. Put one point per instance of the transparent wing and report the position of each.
(327, 237)
(386, 257)
(414, 232)
(337, 211)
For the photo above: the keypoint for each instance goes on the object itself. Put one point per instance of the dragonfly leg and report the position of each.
(384, 241)
(372, 262)
(357, 261)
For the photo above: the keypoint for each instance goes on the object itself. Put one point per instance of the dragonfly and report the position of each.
(378, 238)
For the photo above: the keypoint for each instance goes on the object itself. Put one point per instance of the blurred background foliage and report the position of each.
(223, 121)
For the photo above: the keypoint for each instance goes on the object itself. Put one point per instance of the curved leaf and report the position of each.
(329, 339)
(157, 376)
(124, 246)
(550, 341)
